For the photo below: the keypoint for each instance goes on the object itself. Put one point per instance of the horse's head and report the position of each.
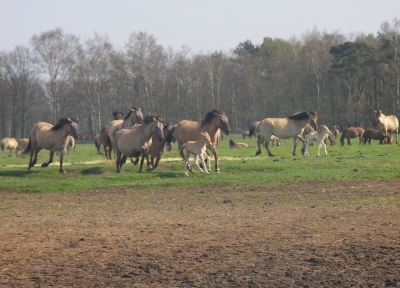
(313, 116)
(223, 122)
(378, 115)
(231, 142)
(137, 115)
(118, 115)
(73, 127)
(158, 129)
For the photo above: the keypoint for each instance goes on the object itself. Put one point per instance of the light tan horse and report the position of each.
(71, 144)
(284, 128)
(134, 116)
(11, 144)
(23, 142)
(135, 141)
(233, 144)
(188, 130)
(198, 149)
(53, 138)
(388, 124)
(319, 136)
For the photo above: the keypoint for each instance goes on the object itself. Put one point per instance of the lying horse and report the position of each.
(387, 124)
(135, 141)
(319, 136)
(53, 138)
(11, 144)
(351, 132)
(105, 139)
(232, 144)
(284, 128)
(375, 135)
(198, 149)
(188, 130)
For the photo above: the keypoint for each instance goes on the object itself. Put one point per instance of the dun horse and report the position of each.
(188, 130)
(284, 128)
(319, 136)
(53, 138)
(335, 131)
(104, 139)
(388, 124)
(11, 144)
(233, 144)
(157, 148)
(134, 116)
(23, 142)
(198, 149)
(135, 141)
(351, 132)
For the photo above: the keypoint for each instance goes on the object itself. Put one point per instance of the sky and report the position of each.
(201, 25)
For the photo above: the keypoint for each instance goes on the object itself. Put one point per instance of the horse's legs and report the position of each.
(61, 163)
(196, 161)
(306, 150)
(202, 158)
(259, 142)
(208, 160)
(322, 144)
(298, 137)
(212, 149)
(50, 159)
(156, 163)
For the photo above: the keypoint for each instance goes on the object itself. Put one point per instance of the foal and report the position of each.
(320, 136)
(198, 149)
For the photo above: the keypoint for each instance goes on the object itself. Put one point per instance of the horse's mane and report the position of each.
(302, 115)
(211, 115)
(149, 118)
(115, 113)
(64, 121)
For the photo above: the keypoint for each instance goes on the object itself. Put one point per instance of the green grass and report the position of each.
(239, 167)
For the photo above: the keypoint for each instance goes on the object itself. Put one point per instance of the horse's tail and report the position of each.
(253, 127)
(2, 145)
(170, 137)
(342, 137)
(28, 147)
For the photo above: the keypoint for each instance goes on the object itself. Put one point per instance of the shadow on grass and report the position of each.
(92, 171)
(16, 173)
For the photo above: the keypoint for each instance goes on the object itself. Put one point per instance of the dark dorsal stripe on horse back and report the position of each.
(211, 115)
(302, 115)
(64, 121)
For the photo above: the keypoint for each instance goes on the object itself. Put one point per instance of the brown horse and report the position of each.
(233, 144)
(135, 141)
(53, 138)
(284, 128)
(134, 116)
(104, 139)
(188, 130)
(11, 144)
(374, 135)
(387, 124)
(157, 148)
(351, 132)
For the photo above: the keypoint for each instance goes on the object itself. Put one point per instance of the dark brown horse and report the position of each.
(53, 138)
(157, 148)
(188, 130)
(374, 135)
(104, 139)
(351, 132)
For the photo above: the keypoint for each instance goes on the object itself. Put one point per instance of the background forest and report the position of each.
(343, 78)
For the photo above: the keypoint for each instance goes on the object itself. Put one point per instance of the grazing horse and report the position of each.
(335, 130)
(104, 139)
(53, 138)
(284, 128)
(11, 144)
(97, 143)
(157, 148)
(198, 149)
(387, 124)
(246, 133)
(375, 135)
(232, 144)
(23, 142)
(135, 141)
(319, 136)
(188, 130)
(331, 139)
(351, 132)
(134, 116)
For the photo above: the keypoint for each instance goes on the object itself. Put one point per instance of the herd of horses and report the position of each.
(137, 136)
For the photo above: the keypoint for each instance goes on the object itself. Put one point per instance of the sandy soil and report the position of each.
(304, 234)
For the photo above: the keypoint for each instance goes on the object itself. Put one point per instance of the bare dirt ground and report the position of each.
(304, 234)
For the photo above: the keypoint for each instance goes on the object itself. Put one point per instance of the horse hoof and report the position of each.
(258, 153)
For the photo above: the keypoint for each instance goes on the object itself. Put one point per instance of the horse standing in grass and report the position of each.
(319, 136)
(198, 149)
(374, 135)
(188, 130)
(53, 138)
(23, 142)
(105, 139)
(11, 144)
(135, 141)
(284, 128)
(351, 132)
(387, 124)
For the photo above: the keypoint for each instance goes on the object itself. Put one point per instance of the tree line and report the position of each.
(343, 78)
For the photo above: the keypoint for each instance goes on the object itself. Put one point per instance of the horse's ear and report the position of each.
(154, 119)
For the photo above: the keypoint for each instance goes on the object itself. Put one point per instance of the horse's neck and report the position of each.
(129, 122)
(211, 129)
(148, 130)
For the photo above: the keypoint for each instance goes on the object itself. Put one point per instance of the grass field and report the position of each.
(85, 169)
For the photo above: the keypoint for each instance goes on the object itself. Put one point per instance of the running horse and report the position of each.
(53, 138)
(104, 139)
(387, 124)
(188, 130)
(284, 128)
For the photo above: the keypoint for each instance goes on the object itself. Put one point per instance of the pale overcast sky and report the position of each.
(202, 25)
